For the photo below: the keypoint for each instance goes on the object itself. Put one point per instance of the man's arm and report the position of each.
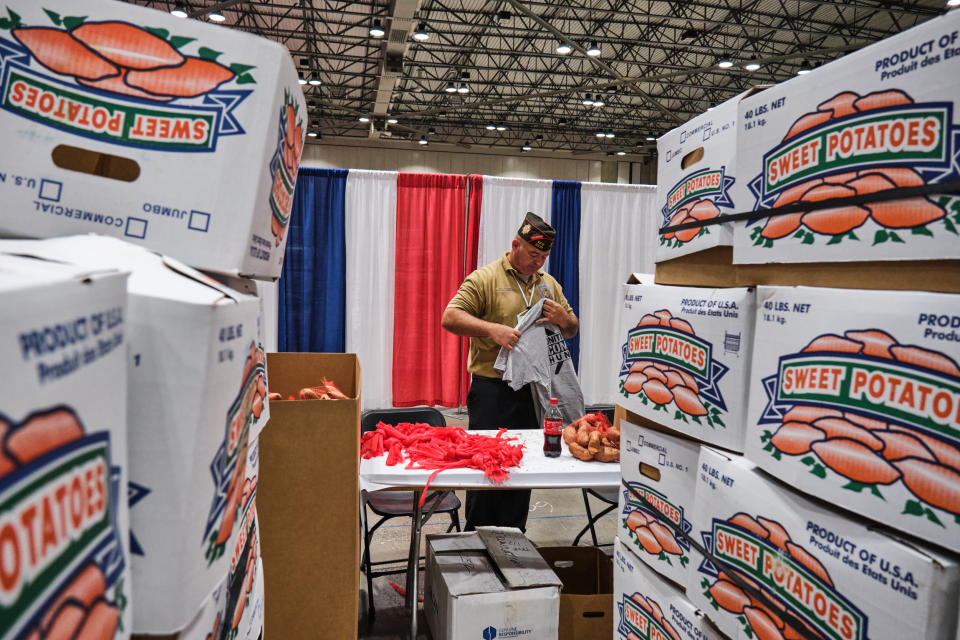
(556, 314)
(461, 323)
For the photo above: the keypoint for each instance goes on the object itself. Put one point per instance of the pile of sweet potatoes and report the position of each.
(326, 390)
(593, 438)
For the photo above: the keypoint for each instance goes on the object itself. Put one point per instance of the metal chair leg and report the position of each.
(366, 567)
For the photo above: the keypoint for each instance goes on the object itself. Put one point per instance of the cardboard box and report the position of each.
(586, 602)
(834, 573)
(196, 157)
(696, 180)
(855, 399)
(64, 519)
(647, 606)
(685, 359)
(197, 396)
(489, 583)
(878, 118)
(309, 499)
(662, 469)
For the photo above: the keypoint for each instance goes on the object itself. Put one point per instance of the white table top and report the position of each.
(536, 471)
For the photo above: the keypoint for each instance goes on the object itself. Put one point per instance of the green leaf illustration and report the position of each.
(73, 22)
(11, 22)
(808, 238)
(246, 79)
(697, 420)
(777, 455)
(800, 233)
(53, 15)
(880, 236)
(932, 517)
(209, 54)
(921, 231)
(852, 236)
(759, 240)
(677, 415)
(684, 560)
(157, 31)
(719, 421)
(768, 243)
(819, 471)
(659, 407)
(756, 232)
(875, 491)
(768, 446)
(856, 487)
(704, 583)
(809, 460)
(837, 239)
(178, 41)
(952, 228)
(895, 237)
(912, 508)
(956, 519)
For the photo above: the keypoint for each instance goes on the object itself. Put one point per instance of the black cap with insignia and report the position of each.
(537, 232)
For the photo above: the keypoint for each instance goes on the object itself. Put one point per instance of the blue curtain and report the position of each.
(565, 256)
(312, 295)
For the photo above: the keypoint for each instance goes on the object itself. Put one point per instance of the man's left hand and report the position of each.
(554, 314)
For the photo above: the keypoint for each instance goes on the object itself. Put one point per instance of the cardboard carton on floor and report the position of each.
(855, 399)
(662, 469)
(308, 499)
(586, 605)
(179, 135)
(685, 359)
(489, 583)
(879, 118)
(647, 606)
(696, 180)
(816, 568)
(197, 396)
(64, 521)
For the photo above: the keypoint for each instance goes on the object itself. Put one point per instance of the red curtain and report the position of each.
(475, 193)
(430, 256)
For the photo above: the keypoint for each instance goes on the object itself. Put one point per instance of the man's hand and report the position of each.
(556, 314)
(503, 335)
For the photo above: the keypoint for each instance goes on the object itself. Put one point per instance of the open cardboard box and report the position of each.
(308, 499)
(586, 600)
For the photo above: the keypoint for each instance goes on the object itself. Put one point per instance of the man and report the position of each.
(485, 309)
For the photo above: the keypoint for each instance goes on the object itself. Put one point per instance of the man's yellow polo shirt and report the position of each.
(493, 293)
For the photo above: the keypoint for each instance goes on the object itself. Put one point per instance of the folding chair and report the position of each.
(398, 504)
(608, 497)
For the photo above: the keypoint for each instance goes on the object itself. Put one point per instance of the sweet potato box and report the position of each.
(855, 398)
(179, 135)
(786, 567)
(197, 402)
(64, 525)
(685, 359)
(883, 117)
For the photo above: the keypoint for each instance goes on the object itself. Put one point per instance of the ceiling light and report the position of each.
(391, 121)
(491, 127)
(364, 119)
(313, 81)
(599, 101)
(650, 139)
(463, 88)
(609, 134)
(451, 87)
(588, 101)
(179, 11)
(539, 138)
(376, 31)
(600, 134)
(563, 48)
(500, 127)
(504, 15)
(804, 68)
(725, 62)
(562, 122)
(302, 80)
(431, 131)
(312, 134)
(423, 140)
(526, 146)
(594, 49)
(420, 34)
(216, 16)
(752, 64)
(689, 34)
(621, 153)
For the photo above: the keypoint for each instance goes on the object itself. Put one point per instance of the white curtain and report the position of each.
(270, 306)
(618, 231)
(504, 204)
(371, 230)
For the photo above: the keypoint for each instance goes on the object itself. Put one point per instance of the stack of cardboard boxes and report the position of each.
(155, 158)
(791, 456)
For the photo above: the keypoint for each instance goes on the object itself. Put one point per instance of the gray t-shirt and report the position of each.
(541, 358)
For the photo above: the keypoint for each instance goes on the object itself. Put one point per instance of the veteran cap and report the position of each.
(537, 232)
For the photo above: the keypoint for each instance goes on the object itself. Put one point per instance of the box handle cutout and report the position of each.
(95, 163)
(694, 156)
(563, 564)
(650, 471)
(593, 614)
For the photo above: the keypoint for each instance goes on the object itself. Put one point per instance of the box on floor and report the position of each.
(64, 332)
(586, 603)
(855, 399)
(195, 130)
(817, 567)
(489, 583)
(197, 398)
(685, 358)
(308, 499)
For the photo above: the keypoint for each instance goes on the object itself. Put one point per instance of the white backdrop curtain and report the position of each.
(504, 204)
(618, 231)
(370, 227)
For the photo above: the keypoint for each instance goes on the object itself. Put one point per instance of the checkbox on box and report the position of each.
(199, 221)
(662, 460)
(50, 190)
(136, 228)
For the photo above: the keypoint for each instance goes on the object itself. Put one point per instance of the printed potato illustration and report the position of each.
(698, 210)
(654, 614)
(837, 222)
(285, 167)
(870, 452)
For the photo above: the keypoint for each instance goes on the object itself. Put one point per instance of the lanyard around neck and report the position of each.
(526, 300)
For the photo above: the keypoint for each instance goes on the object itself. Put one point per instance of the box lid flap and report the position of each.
(516, 558)
(468, 572)
(640, 278)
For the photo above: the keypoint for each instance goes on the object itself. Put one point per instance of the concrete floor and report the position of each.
(556, 516)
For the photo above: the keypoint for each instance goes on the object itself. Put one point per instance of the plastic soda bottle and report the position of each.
(552, 429)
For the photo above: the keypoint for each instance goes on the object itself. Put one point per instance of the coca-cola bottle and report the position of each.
(552, 429)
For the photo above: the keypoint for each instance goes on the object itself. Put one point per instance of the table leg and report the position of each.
(413, 565)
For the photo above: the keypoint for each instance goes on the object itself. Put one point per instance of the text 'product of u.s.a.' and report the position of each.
(661, 473)
(647, 606)
(197, 399)
(64, 524)
(685, 359)
(782, 566)
(178, 135)
(882, 118)
(855, 398)
(696, 181)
